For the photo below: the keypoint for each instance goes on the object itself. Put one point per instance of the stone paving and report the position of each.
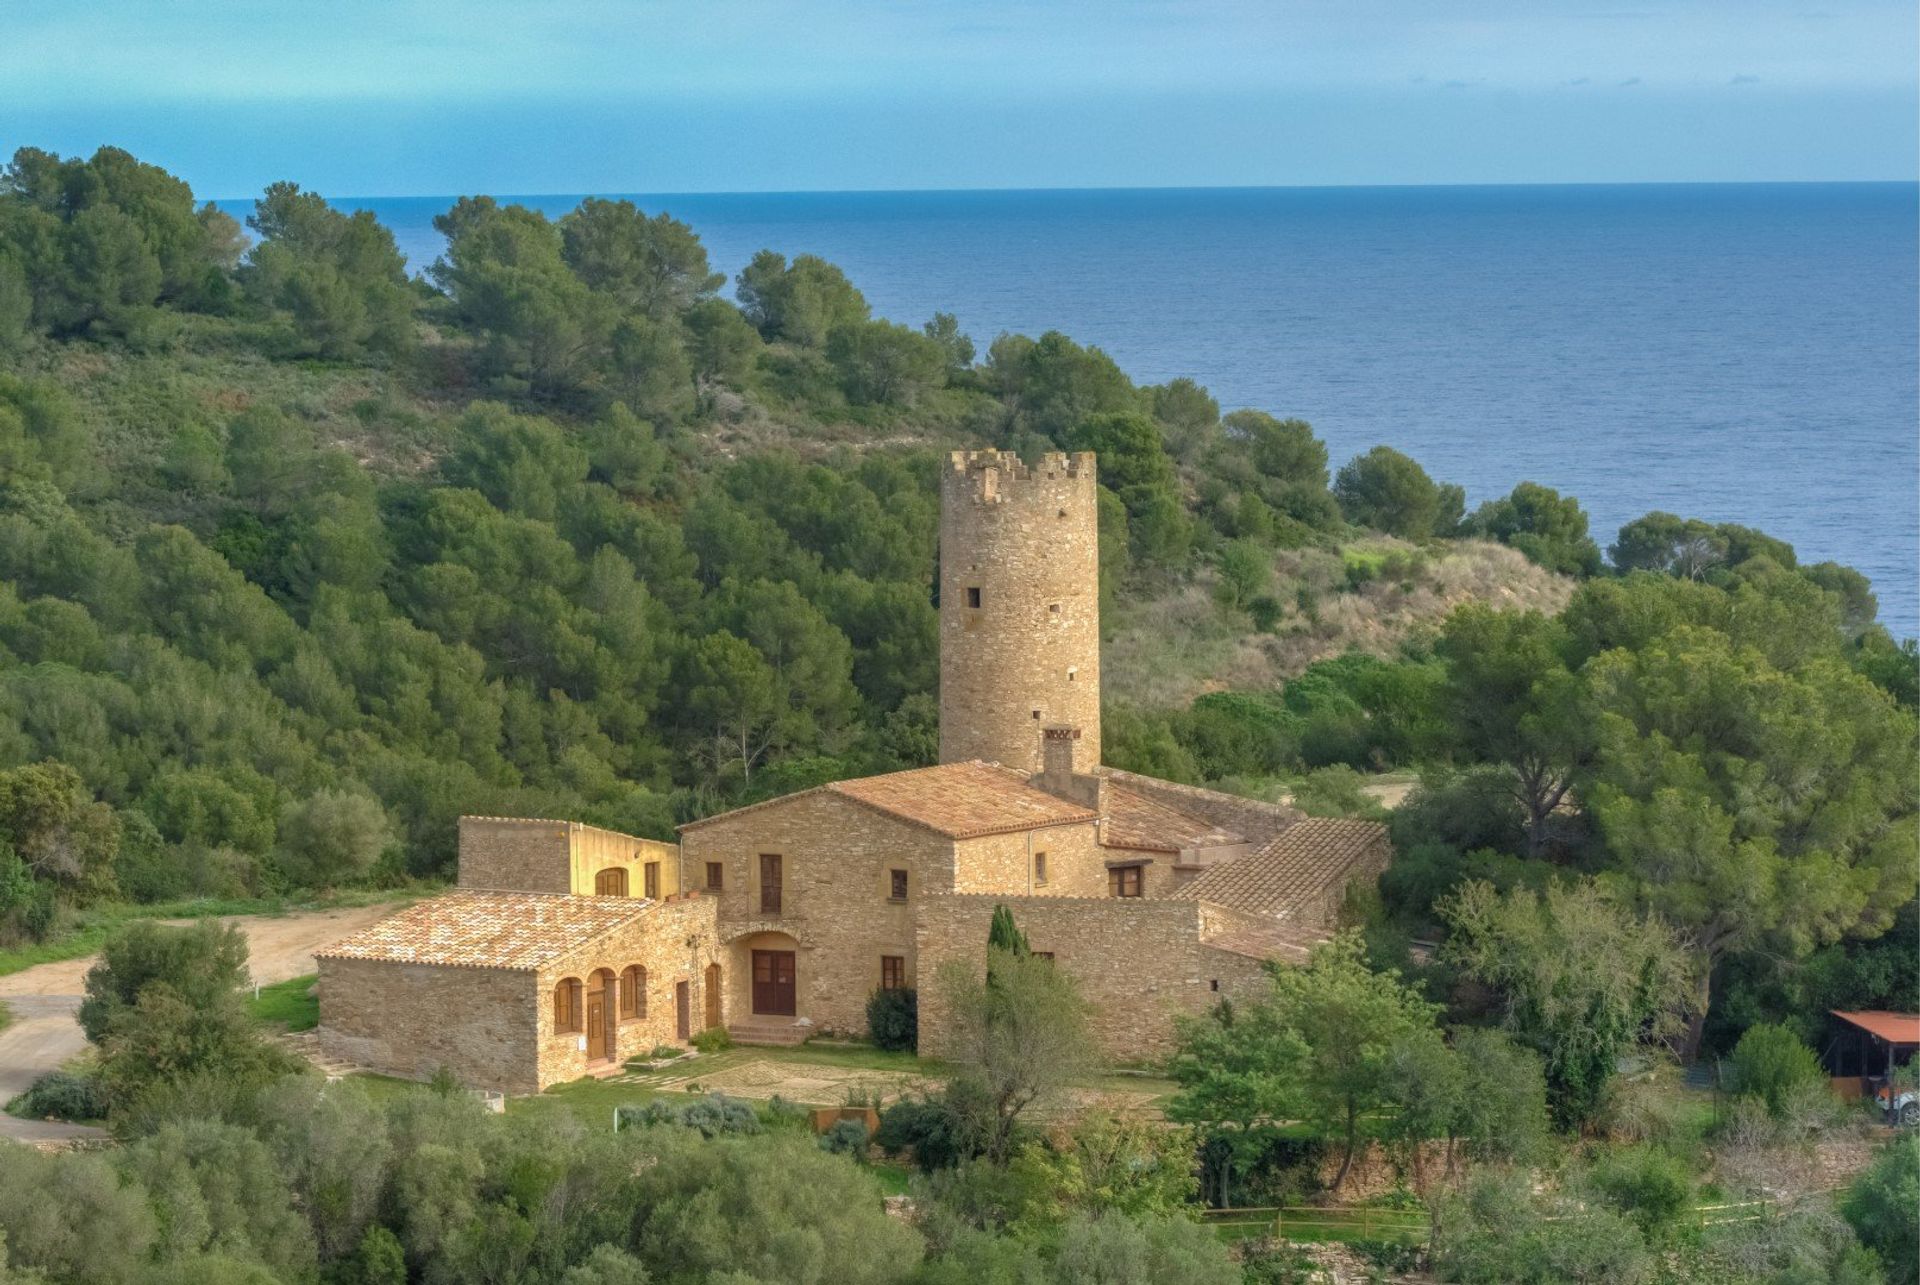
(809, 1083)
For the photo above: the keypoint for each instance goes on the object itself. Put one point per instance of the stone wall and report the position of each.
(675, 942)
(409, 1020)
(1005, 863)
(1137, 963)
(1027, 542)
(529, 855)
(836, 906)
(516, 853)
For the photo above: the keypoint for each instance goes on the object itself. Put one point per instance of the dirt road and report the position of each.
(43, 1001)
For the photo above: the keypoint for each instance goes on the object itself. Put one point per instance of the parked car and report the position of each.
(1900, 1103)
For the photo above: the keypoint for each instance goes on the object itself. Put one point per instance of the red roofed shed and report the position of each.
(1867, 1047)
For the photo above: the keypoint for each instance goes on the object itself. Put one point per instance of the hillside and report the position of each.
(301, 558)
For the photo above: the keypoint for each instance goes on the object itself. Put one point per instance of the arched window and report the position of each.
(566, 1005)
(633, 992)
(611, 882)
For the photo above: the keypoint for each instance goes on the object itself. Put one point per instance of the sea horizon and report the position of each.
(622, 194)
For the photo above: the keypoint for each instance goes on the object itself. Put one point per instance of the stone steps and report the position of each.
(769, 1034)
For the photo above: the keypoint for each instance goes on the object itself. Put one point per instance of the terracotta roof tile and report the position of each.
(1255, 819)
(1134, 820)
(514, 930)
(1299, 864)
(964, 800)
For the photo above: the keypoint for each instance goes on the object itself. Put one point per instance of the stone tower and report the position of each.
(1019, 607)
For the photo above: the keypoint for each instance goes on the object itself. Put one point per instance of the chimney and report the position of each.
(1060, 754)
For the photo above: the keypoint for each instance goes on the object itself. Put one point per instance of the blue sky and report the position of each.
(411, 97)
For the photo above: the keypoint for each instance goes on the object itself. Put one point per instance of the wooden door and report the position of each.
(597, 1041)
(682, 1011)
(713, 996)
(773, 987)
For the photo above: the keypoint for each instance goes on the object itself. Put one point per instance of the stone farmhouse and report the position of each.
(567, 949)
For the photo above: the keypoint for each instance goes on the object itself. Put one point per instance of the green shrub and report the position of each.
(713, 1116)
(1881, 1205)
(1771, 1063)
(1336, 791)
(1280, 1264)
(712, 1040)
(893, 1019)
(61, 1095)
(1495, 1231)
(927, 1127)
(846, 1138)
(782, 1114)
(1648, 1184)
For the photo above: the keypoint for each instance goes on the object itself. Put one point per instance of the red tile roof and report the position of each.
(959, 800)
(1136, 821)
(519, 931)
(1301, 863)
(1894, 1028)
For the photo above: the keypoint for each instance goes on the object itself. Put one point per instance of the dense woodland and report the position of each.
(301, 557)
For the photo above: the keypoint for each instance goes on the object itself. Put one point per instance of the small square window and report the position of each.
(1214, 984)
(1054, 607)
(1036, 713)
(897, 885)
(973, 595)
(1124, 881)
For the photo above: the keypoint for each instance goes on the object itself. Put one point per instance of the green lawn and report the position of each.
(290, 1004)
(87, 930)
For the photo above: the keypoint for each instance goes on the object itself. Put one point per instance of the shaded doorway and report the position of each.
(773, 983)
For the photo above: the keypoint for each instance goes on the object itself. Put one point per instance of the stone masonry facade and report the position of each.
(530, 855)
(1019, 605)
(1138, 964)
(409, 1020)
(837, 910)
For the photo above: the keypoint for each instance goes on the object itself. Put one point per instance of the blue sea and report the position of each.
(1732, 352)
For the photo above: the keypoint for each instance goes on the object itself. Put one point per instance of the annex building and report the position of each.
(567, 949)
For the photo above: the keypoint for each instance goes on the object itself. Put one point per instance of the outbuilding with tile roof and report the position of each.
(520, 990)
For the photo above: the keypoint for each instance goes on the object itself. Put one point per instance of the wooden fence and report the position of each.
(1315, 1223)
